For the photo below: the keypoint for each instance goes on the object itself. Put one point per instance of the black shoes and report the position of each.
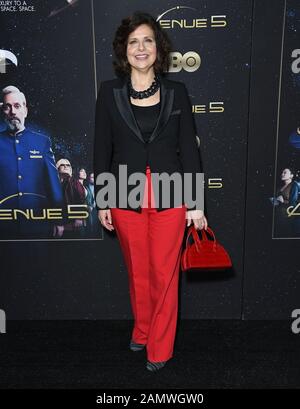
(136, 347)
(155, 366)
(151, 366)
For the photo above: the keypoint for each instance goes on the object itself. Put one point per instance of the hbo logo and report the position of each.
(190, 61)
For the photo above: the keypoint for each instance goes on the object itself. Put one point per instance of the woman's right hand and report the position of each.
(106, 219)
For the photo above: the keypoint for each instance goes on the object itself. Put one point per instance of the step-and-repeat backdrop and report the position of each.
(240, 62)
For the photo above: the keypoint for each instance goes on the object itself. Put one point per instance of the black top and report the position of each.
(146, 117)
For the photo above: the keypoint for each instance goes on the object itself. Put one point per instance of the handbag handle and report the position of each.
(195, 237)
(197, 241)
(209, 230)
(204, 236)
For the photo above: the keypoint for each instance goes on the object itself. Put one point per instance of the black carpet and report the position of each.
(95, 354)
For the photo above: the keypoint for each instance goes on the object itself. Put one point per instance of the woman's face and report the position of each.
(141, 48)
(82, 174)
(286, 174)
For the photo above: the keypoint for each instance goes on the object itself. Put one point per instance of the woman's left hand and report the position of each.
(280, 199)
(198, 218)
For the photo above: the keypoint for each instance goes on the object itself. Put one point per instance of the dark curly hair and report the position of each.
(128, 25)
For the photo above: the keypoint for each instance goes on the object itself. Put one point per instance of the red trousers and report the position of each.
(151, 243)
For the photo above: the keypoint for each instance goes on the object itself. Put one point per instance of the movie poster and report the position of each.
(47, 120)
(285, 199)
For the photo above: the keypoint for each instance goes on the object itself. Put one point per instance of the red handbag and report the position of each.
(204, 254)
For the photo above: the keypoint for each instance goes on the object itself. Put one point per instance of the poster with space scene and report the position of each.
(47, 122)
(285, 199)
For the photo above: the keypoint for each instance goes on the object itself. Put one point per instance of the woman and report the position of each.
(141, 120)
(286, 197)
(288, 193)
(74, 193)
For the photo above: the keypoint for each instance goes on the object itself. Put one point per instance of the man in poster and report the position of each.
(28, 175)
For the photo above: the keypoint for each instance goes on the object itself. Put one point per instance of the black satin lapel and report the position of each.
(124, 106)
(166, 98)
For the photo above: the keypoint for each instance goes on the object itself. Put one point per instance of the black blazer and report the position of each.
(172, 146)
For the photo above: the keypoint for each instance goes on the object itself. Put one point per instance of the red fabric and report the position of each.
(151, 243)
